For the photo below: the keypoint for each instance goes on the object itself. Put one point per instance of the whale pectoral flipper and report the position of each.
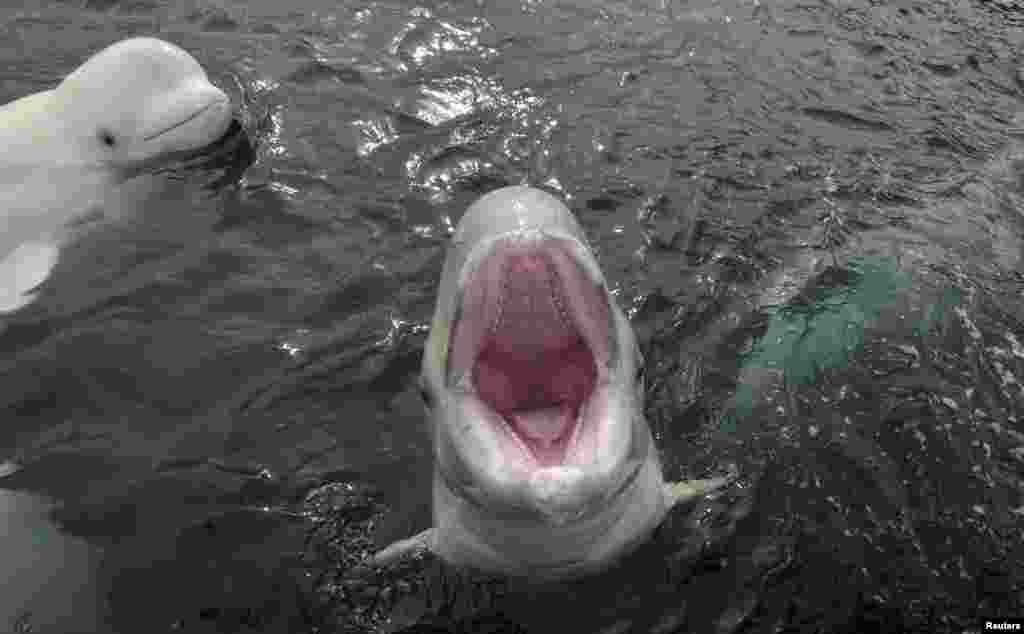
(686, 490)
(23, 270)
(403, 548)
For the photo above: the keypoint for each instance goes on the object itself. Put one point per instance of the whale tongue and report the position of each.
(534, 368)
(546, 431)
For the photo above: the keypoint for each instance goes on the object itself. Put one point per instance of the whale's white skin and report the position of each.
(130, 107)
(558, 494)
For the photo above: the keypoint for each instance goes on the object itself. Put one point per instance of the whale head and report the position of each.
(532, 378)
(137, 101)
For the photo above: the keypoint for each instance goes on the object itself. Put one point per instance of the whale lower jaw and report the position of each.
(483, 538)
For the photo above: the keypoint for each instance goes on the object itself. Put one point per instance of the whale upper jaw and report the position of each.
(537, 415)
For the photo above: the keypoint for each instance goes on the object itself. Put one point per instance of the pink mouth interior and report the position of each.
(531, 361)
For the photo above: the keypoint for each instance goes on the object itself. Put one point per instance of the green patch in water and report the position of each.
(950, 298)
(820, 328)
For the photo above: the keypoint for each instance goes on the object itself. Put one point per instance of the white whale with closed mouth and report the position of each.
(129, 107)
(544, 463)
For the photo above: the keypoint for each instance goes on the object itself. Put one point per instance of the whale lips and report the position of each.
(533, 333)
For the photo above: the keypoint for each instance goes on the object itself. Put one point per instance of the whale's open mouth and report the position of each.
(532, 335)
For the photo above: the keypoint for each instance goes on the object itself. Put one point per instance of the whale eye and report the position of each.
(107, 138)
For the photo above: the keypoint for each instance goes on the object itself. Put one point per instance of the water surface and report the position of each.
(755, 176)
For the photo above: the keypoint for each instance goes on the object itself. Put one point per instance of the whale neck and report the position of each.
(473, 536)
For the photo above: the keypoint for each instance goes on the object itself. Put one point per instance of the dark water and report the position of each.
(811, 209)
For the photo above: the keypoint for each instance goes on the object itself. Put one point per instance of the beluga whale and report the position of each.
(129, 108)
(544, 465)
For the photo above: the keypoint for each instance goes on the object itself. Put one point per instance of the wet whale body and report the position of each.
(129, 107)
(545, 467)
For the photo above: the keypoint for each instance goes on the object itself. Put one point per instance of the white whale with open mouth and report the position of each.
(129, 107)
(544, 463)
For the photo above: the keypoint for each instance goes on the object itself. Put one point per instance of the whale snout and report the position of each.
(187, 119)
